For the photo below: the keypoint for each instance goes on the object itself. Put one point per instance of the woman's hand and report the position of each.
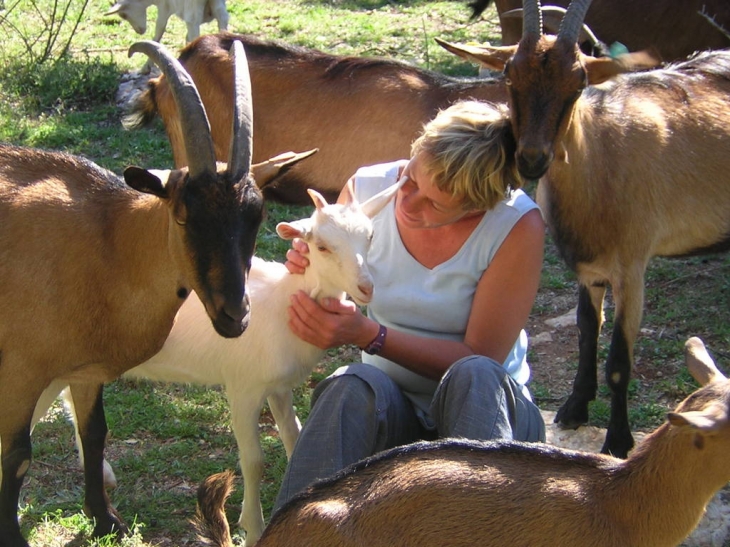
(332, 323)
(296, 261)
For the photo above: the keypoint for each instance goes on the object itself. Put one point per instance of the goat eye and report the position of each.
(322, 249)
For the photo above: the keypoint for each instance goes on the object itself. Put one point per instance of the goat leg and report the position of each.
(628, 296)
(574, 411)
(92, 430)
(16, 455)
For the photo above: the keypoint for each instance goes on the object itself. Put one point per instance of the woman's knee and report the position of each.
(475, 369)
(356, 384)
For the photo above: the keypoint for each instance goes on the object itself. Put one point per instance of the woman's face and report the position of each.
(420, 204)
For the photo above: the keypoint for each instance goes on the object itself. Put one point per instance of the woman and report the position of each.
(456, 261)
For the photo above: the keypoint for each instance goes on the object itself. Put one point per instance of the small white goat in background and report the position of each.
(268, 360)
(193, 12)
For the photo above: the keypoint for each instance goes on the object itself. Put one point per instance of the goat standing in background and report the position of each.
(94, 270)
(634, 168)
(672, 29)
(268, 360)
(193, 12)
(357, 110)
(463, 493)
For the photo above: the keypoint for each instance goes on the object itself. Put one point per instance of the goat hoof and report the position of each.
(111, 525)
(573, 414)
(618, 445)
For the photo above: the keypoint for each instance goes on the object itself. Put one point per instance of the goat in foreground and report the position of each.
(631, 169)
(497, 493)
(94, 271)
(193, 12)
(357, 110)
(672, 29)
(268, 360)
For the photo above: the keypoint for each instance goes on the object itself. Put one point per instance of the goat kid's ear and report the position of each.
(148, 181)
(347, 195)
(298, 228)
(492, 57)
(317, 198)
(375, 204)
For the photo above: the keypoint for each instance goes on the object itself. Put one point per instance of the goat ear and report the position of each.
(268, 171)
(317, 198)
(708, 420)
(491, 57)
(298, 228)
(601, 69)
(699, 363)
(375, 204)
(347, 196)
(147, 181)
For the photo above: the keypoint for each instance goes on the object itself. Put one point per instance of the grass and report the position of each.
(165, 439)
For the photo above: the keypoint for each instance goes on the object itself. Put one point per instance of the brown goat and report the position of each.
(672, 29)
(628, 170)
(94, 270)
(464, 493)
(356, 110)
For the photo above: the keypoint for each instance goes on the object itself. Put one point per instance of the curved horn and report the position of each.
(193, 120)
(532, 18)
(113, 10)
(552, 16)
(573, 21)
(240, 154)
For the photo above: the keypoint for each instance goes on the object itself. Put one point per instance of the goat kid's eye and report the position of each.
(322, 249)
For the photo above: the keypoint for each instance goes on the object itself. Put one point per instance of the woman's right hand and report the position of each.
(296, 261)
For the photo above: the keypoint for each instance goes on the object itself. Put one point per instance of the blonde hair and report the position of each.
(468, 151)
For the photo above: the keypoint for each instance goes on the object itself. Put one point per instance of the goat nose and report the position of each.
(237, 310)
(366, 289)
(532, 162)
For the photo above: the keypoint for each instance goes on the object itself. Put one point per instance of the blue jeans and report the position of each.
(359, 410)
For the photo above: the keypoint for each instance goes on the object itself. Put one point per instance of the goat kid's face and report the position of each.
(217, 221)
(134, 12)
(339, 236)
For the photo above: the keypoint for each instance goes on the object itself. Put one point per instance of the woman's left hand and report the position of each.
(331, 324)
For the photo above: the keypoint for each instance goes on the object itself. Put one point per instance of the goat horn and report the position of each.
(113, 10)
(552, 16)
(532, 18)
(193, 120)
(573, 21)
(240, 154)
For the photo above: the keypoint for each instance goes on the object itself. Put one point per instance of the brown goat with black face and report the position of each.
(634, 168)
(356, 110)
(94, 270)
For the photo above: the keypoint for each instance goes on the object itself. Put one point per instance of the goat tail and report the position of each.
(210, 516)
(143, 110)
(478, 7)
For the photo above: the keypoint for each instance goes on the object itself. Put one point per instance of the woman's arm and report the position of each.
(502, 303)
(500, 309)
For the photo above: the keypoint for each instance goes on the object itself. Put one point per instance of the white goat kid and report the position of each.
(268, 360)
(193, 12)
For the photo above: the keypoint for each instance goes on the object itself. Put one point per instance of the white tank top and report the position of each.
(435, 302)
